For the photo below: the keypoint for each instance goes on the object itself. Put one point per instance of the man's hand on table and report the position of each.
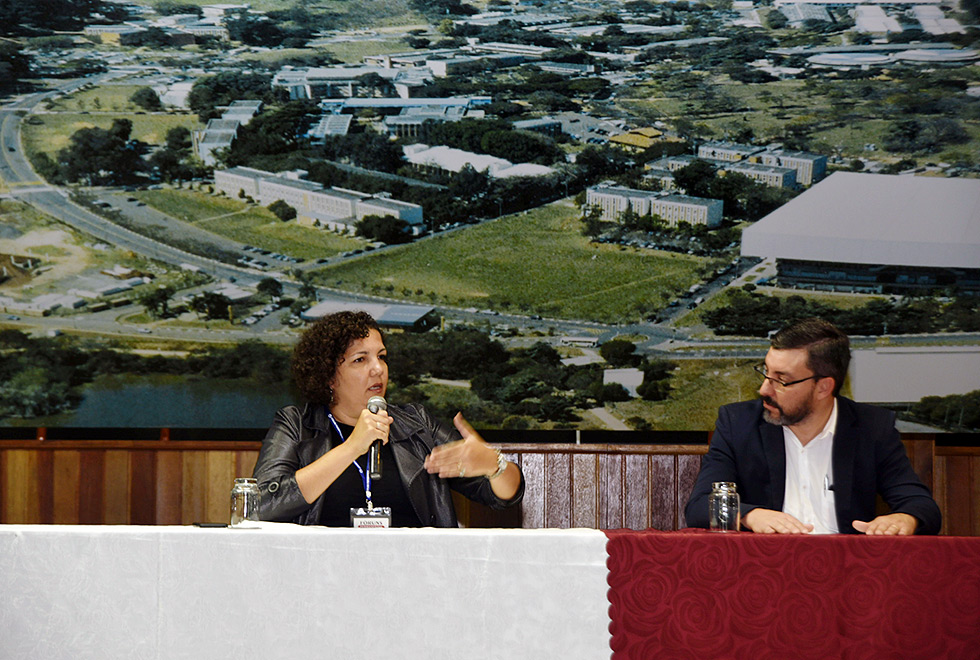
(767, 521)
(894, 524)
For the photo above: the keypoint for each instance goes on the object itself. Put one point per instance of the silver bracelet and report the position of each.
(501, 464)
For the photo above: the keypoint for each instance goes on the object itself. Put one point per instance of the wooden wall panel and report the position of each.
(584, 494)
(939, 490)
(535, 493)
(170, 488)
(974, 500)
(245, 463)
(637, 490)
(220, 479)
(611, 491)
(143, 492)
(43, 486)
(663, 487)
(4, 481)
(558, 491)
(117, 487)
(66, 472)
(920, 452)
(91, 488)
(957, 489)
(193, 474)
(688, 467)
(21, 487)
(959, 515)
(605, 486)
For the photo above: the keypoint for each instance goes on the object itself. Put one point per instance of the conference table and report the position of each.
(285, 591)
(698, 594)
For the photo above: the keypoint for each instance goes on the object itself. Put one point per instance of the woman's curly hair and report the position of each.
(322, 347)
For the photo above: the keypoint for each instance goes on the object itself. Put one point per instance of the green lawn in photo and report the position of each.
(274, 59)
(195, 207)
(54, 131)
(695, 317)
(104, 98)
(379, 8)
(840, 118)
(699, 387)
(851, 140)
(247, 223)
(537, 262)
(357, 48)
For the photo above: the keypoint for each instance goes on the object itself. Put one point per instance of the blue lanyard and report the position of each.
(365, 476)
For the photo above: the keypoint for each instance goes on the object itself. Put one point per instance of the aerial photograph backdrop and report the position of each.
(583, 216)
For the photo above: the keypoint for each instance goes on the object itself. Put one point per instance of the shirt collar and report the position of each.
(831, 426)
(826, 434)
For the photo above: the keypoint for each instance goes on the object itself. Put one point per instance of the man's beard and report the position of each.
(786, 418)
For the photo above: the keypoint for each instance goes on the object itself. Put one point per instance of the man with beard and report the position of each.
(805, 459)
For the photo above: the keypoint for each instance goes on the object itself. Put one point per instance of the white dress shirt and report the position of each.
(809, 495)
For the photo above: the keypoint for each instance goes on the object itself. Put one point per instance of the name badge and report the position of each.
(377, 518)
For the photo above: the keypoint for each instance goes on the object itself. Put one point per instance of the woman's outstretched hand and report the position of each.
(469, 457)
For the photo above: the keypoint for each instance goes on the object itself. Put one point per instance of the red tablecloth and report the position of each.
(703, 595)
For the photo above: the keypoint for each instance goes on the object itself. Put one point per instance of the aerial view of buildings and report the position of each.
(596, 212)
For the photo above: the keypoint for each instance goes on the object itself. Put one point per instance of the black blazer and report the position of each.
(868, 458)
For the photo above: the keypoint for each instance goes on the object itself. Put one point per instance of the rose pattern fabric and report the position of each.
(710, 596)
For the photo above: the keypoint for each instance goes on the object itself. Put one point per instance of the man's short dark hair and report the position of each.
(828, 349)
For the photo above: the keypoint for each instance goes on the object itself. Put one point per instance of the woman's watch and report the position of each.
(501, 464)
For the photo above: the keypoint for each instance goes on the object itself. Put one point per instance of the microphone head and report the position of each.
(376, 403)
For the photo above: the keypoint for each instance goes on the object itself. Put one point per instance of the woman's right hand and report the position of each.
(369, 427)
(316, 477)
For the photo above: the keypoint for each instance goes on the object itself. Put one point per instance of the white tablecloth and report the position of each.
(285, 591)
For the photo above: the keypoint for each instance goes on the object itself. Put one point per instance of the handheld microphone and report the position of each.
(375, 404)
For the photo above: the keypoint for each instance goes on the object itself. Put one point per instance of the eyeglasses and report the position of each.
(778, 384)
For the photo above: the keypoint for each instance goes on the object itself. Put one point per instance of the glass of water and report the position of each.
(245, 500)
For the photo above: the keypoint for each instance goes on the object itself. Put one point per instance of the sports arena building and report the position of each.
(875, 233)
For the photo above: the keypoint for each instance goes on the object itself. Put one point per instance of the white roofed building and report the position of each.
(337, 209)
(345, 81)
(242, 111)
(220, 133)
(773, 176)
(933, 21)
(526, 50)
(875, 233)
(408, 317)
(123, 35)
(873, 20)
(672, 209)
(809, 167)
(411, 119)
(727, 151)
(330, 125)
(446, 159)
(523, 169)
(797, 14)
(408, 59)
(220, 11)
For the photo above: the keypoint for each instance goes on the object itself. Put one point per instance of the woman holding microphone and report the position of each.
(313, 468)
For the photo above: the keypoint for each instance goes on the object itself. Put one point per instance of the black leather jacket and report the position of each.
(297, 438)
